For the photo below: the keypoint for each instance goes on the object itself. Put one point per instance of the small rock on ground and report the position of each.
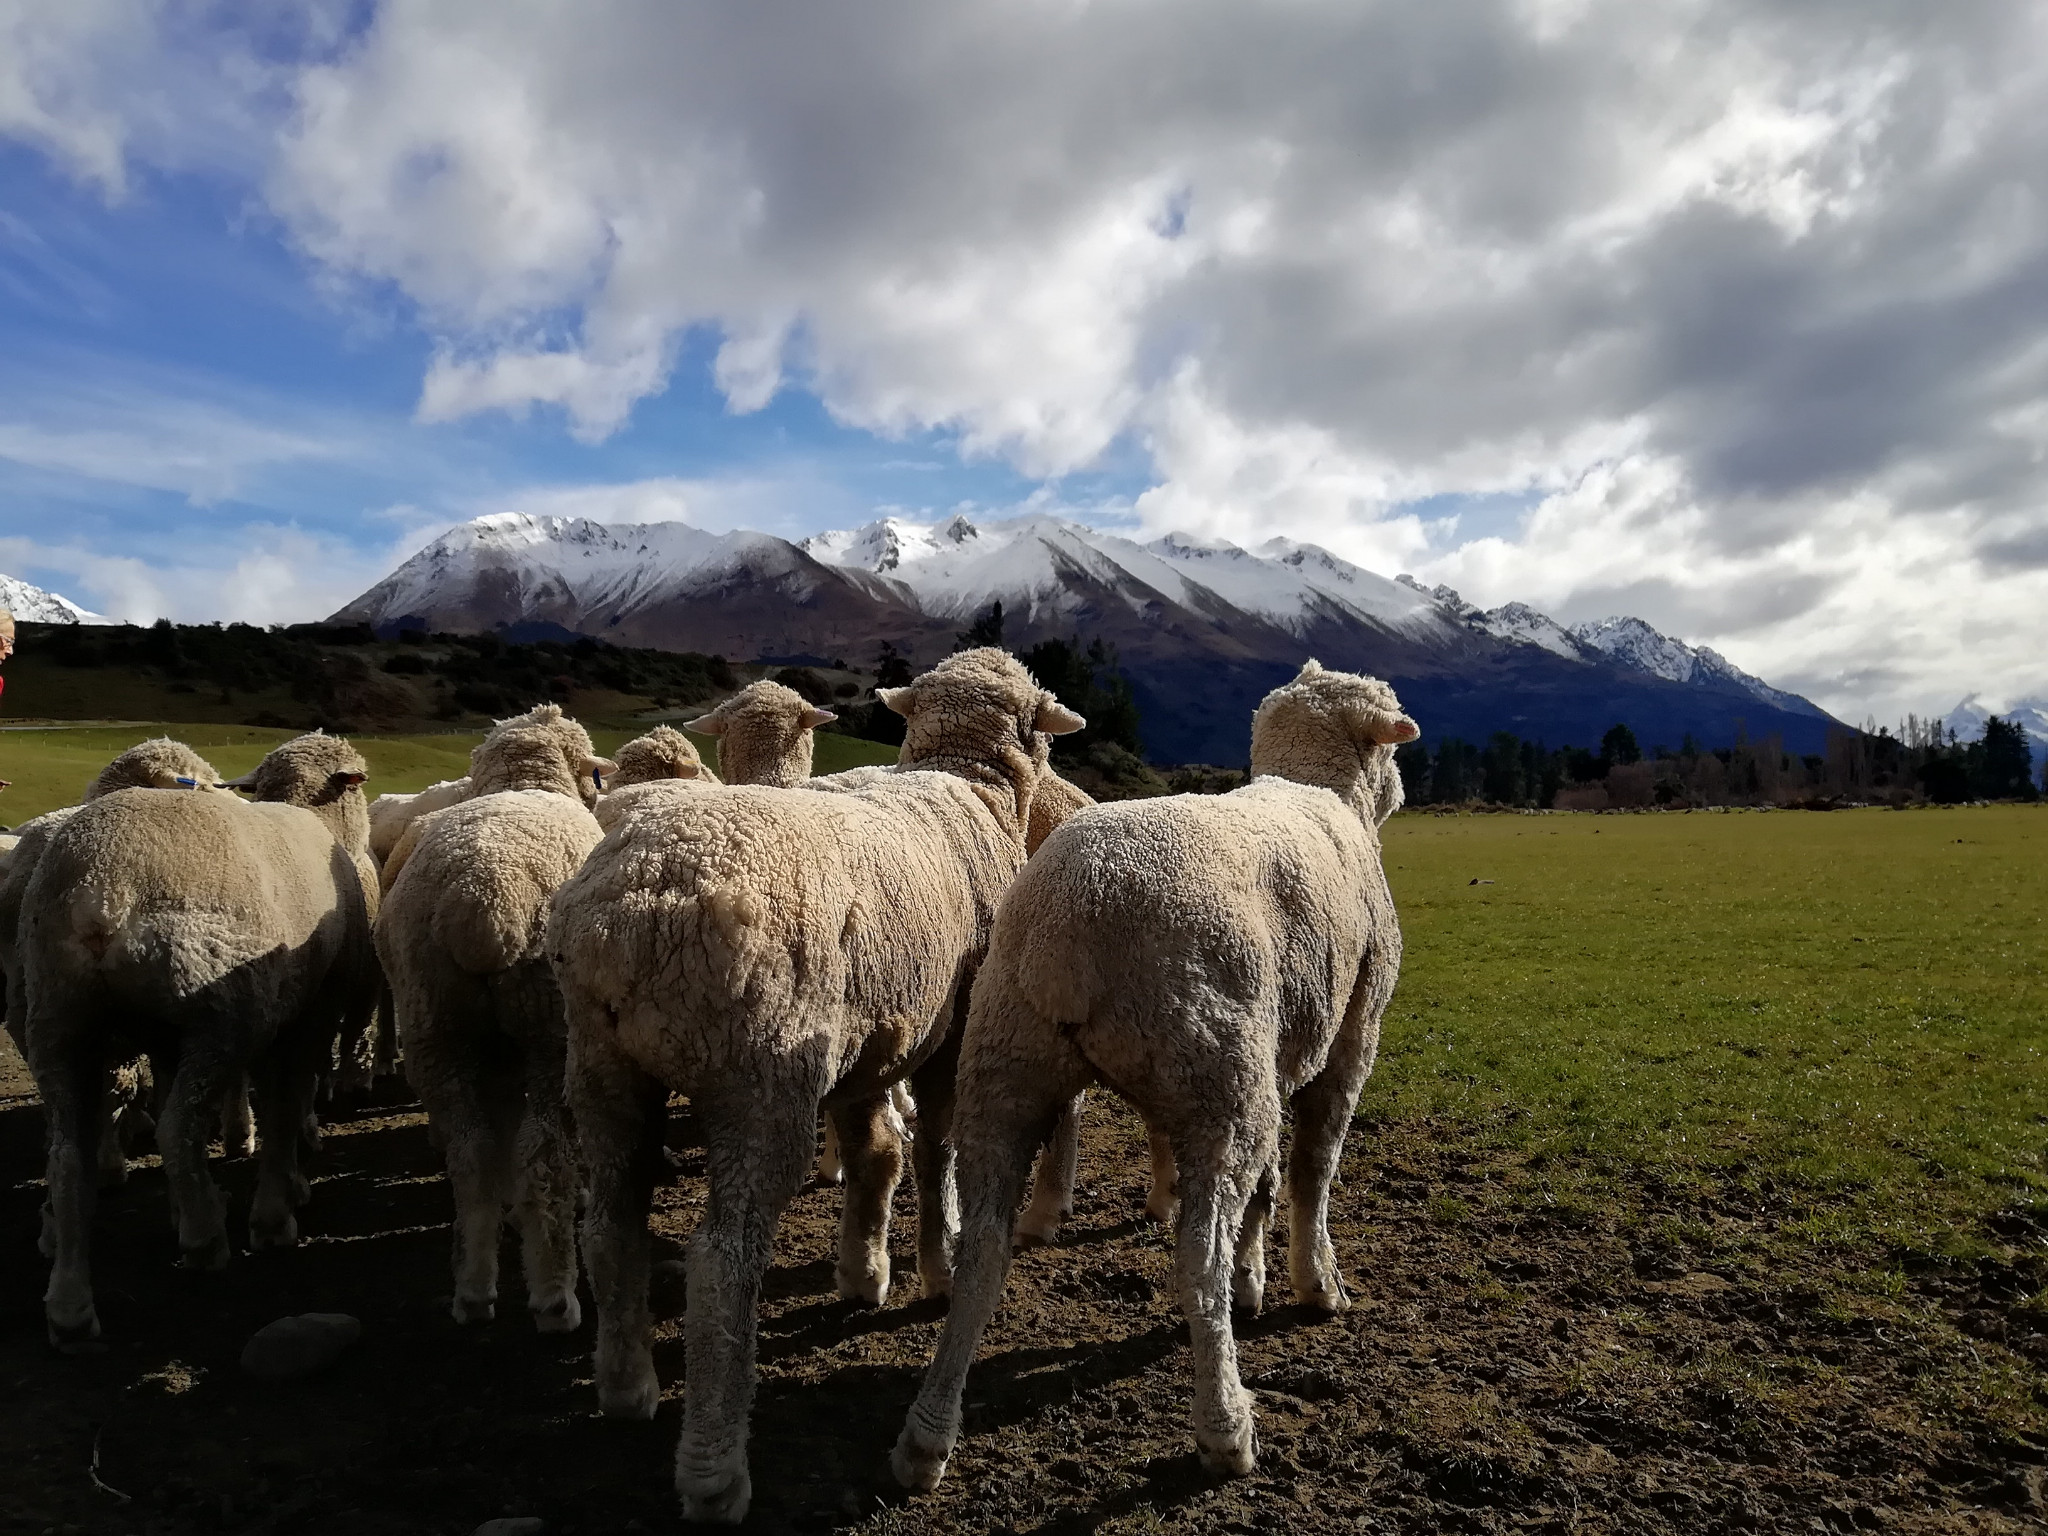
(298, 1346)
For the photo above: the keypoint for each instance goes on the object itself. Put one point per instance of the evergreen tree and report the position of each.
(892, 667)
(2004, 762)
(986, 630)
(1618, 746)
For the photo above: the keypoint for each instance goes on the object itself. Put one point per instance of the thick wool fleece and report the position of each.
(764, 735)
(541, 749)
(233, 936)
(1210, 958)
(390, 815)
(663, 753)
(481, 1020)
(1052, 803)
(764, 950)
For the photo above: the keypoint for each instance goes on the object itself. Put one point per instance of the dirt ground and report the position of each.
(1511, 1364)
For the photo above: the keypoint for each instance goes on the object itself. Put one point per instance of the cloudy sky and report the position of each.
(1730, 315)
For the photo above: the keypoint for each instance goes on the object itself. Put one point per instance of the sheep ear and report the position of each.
(814, 717)
(347, 780)
(712, 724)
(902, 700)
(597, 765)
(1389, 729)
(1055, 719)
(687, 770)
(246, 781)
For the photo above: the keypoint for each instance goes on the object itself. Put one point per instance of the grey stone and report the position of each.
(298, 1346)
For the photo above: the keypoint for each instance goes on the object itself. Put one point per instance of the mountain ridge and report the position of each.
(1203, 628)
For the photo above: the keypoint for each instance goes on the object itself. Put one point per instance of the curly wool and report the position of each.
(238, 931)
(662, 753)
(1209, 958)
(764, 735)
(762, 950)
(541, 749)
(390, 815)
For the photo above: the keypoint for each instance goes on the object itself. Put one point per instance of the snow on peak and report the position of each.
(31, 604)
(1968, 718)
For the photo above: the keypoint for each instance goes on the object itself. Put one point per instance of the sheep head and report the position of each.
(1337, 730)
(319, 773)
(663, 753)
(159, 763)
(541, 749)
(981, 714)
(764, 734)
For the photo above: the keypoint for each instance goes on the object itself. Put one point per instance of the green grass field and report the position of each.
(1850, 1003)
(51, 766)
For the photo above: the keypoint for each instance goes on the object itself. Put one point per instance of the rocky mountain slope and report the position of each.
(1203, 629)
(31, 604)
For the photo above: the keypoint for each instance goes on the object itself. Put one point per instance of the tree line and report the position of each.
(1921, 762)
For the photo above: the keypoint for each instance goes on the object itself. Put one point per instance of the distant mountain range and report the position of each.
(2030, 715)
(33, 605)
(1202, 629)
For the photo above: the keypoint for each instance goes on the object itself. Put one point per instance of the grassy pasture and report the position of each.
(50, 766)
(1851, 1002)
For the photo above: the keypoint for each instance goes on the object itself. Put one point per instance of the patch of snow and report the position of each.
(31, 604)
(1967, 719)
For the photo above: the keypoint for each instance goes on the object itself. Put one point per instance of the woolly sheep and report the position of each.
(663, 753)
(766, 951)
(232, 936)
(159, 763)
(764, 735)
(1212, 958)
(478, 1010)
(390, 815)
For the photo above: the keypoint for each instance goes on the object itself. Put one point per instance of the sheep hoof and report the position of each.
(210, 1255)
(563, 1315)
(1163, 1208)
(636, 1397)
(1329, 1298)
(78, 1336)
(1036, 1233)
(466, 1310)
(113, 1172)
(1230, 1455)
(867, 1290)
(919, 1464)
(1249, 1297)
(723, 1504)
(273, 1231)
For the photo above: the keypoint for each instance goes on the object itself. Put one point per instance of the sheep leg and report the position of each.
(932, 1159)
(237, 1120)
(1002, 1123)
(546, 1173)
(110, 1156)
(620, 1114)
(479, 1165)
(1248, 1275)
(1163, 1203)
(280, 1187)
(183, 1130)
(1322, 1114)
(384, 1059)
(1218, 1178)
(69, 1085)
(1052, 1192)
(758, 1146)
(831, 1168)
(872, 1155)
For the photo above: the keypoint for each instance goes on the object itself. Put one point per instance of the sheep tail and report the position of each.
(99, 918)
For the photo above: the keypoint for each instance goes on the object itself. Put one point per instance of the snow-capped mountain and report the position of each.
(1202, 628)
(2031, 715)
(1634, 644)
(34, 605)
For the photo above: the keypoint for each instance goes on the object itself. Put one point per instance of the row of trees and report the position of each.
(1921, 762)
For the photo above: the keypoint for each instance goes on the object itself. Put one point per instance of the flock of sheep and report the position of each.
(563, 941)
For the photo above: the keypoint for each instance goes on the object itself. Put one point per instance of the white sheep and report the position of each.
(764, 735)
(1212, 959)
(477, 1007)
(233, 937)
(767, 951)
(390, 815)
(662, 754)
(159, 763)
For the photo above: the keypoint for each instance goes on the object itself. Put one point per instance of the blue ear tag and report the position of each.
(597, 778)
(187, 782)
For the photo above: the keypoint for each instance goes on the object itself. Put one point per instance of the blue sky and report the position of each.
(1713, 316)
